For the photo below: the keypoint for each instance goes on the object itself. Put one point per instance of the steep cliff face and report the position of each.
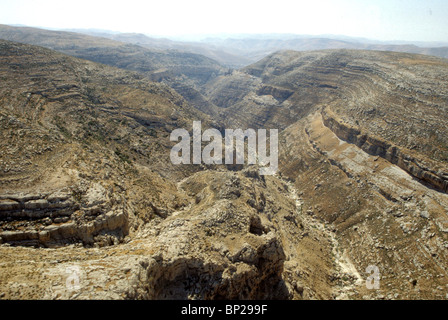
(382, 215)
(54, 219)
(432, 172)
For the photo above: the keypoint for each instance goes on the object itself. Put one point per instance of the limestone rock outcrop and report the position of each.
(432, 172)
(61, 217)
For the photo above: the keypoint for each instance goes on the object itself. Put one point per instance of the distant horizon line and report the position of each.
(200, 37)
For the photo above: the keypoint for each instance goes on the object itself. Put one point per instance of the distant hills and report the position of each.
(230, 52)
(151, 62)
(238, 51)
(256, 49)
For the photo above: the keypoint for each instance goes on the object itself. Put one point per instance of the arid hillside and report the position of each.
(86, 181)
(185, 71)
(86, 172)
(72, 130)
(153, 63)
(398, 97)
(256, 48)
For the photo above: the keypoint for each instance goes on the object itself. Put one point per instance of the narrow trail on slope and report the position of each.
(347, 273)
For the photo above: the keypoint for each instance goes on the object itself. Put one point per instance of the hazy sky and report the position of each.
(417, 20)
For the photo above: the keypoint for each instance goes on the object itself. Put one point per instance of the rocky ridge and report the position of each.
(71, 132)
(429, 171)
(87, 181)
(229, 243)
